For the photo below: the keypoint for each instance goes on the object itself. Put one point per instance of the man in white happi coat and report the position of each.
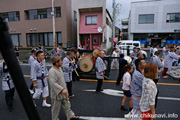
(100, 71)
(169, 60)
(39, 73)
(134, 53)
(68, 67)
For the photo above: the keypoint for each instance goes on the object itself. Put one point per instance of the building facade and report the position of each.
(155, 22)
(30, 22)
(94, 24)
(124, 23)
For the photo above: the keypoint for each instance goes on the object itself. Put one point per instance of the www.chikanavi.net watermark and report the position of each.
(165, 115)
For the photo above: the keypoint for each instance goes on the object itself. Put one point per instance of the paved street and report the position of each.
(84, 32)
(90, 105)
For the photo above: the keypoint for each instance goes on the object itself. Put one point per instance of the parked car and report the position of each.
(124, 50)
(129, 43)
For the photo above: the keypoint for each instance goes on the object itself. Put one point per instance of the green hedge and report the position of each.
(30, 48)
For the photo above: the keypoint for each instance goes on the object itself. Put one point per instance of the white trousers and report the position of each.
(38, 91)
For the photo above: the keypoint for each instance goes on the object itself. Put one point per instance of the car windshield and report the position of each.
(125, 47)
(136, 44)
(128, 43)
(122, 44)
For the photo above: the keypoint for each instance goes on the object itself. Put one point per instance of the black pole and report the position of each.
(7, 50)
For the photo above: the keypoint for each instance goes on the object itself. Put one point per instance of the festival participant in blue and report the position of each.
(136, 87)
(158, 61)
(68, 67)
(134, 53)
(139, 55)
(169, 60)
(39, 75)
(100, 71)
(7, 85)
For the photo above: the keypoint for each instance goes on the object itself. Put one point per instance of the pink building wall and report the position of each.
(90, 29)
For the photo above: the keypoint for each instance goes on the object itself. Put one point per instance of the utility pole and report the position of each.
(114, 5)
(53, 16)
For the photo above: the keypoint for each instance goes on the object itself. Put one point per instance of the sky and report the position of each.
(124, 9)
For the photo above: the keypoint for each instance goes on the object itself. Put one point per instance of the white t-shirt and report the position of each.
(126, 81)
(164, 49)
(154, 50)
(115, 54)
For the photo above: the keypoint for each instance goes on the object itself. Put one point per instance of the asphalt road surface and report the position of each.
(92, 106)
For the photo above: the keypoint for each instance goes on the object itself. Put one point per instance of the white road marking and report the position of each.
(110, 92)
(120, 94)
(100, 118)
(169, 98)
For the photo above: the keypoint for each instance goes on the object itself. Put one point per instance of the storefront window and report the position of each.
(145, 19)
(91, 20)
(16, 39)
(46, 39)
(173, 17)
(11, 16)
(42, 13)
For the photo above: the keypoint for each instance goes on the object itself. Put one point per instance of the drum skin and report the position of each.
(87, 63)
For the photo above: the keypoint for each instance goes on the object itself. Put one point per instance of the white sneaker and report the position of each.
(31, 91)
(165, 77)
(128, 116)
(46, 105)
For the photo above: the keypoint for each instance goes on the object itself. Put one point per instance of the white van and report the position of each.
(129, 43)
(125, 43)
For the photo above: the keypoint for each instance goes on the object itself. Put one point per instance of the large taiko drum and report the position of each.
(96, 53)
(86, 64)
(129, 59)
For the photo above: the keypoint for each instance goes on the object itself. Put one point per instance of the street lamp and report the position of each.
(53, 16)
